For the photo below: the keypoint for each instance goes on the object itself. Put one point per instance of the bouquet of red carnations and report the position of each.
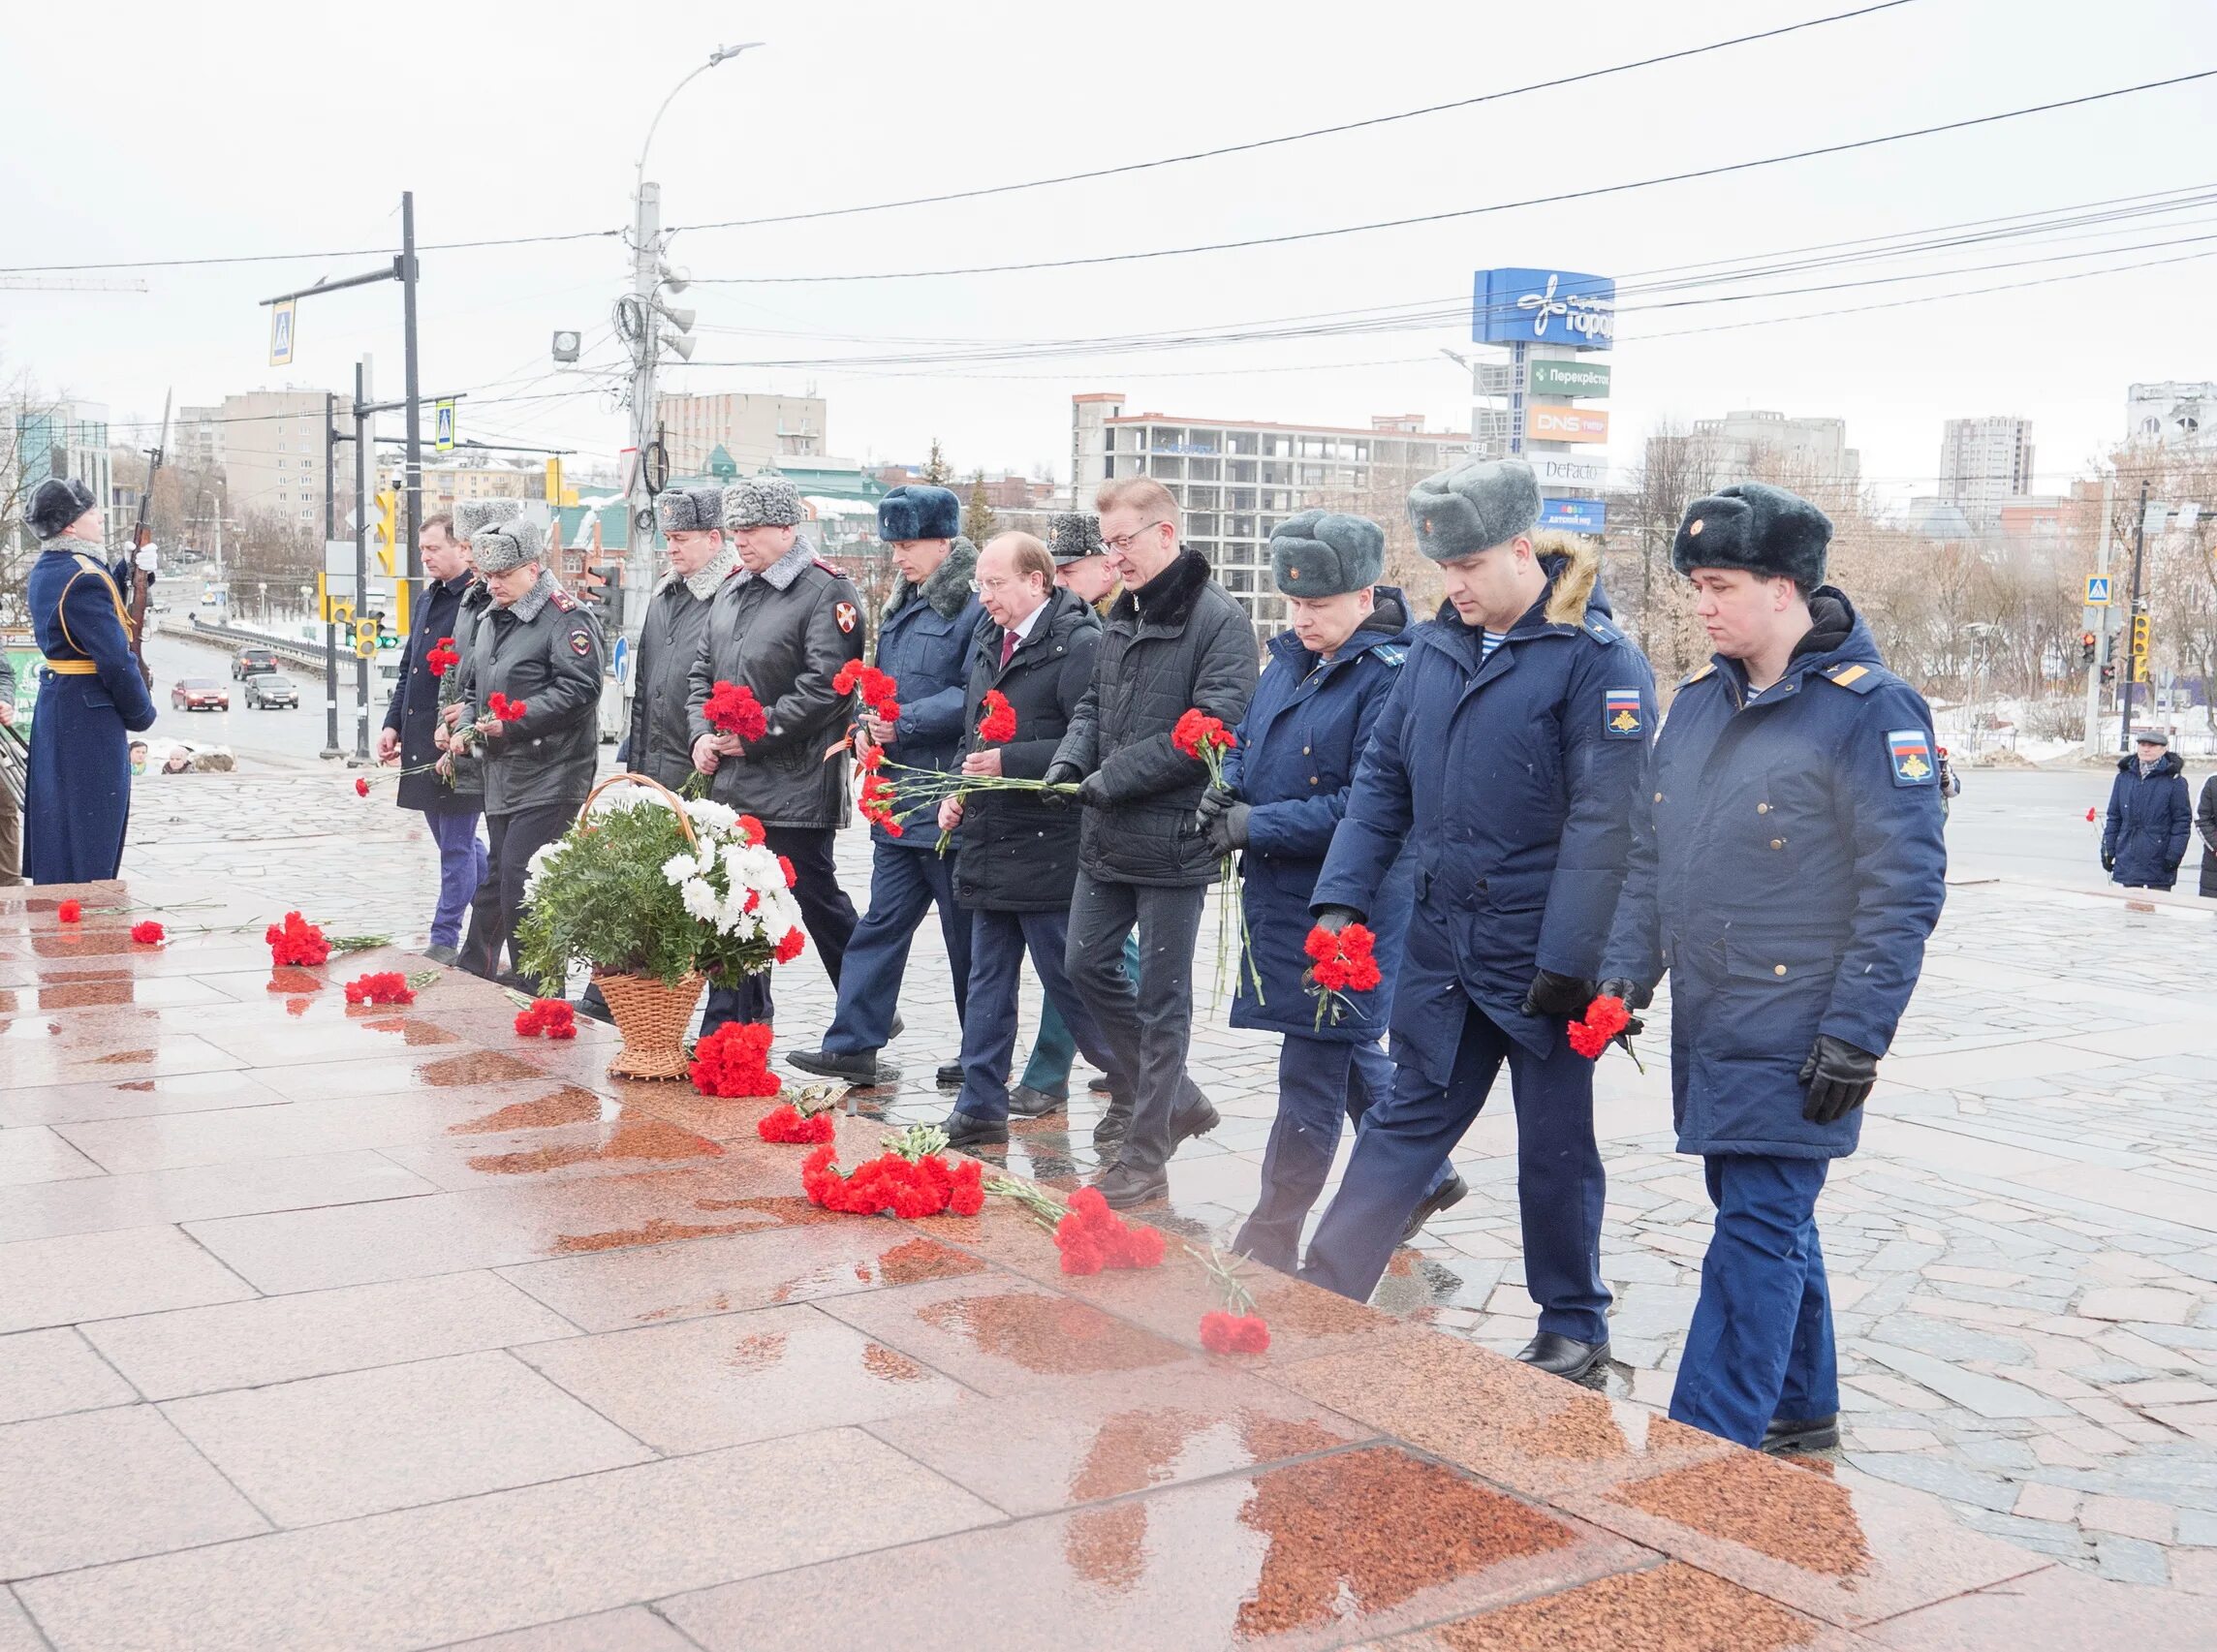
(911, 1178)
(1340, 962)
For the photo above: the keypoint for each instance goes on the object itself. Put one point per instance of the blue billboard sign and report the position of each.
(1574, 516)
(1544, 306)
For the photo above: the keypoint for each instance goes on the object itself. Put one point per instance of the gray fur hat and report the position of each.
(689, 510)
(1322, 554)
(472, 517)
(1073, 536)
(56, 503)
(762, 502)
(508, 544)
(1474, 508)
(1766, 530)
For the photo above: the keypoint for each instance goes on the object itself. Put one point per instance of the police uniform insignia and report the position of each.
(562, 600)
(1694, 528)
(846, 615)
(1392, 653)
(581, 644)
(1911, 755)
(1620, 715)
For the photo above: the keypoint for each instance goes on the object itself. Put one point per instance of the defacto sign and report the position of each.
(1544, 306)
(1564, 472)
(1545, 424)
(1568, 378)
(1574, 516)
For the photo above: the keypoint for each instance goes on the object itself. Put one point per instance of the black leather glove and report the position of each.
(1094, 792)
(1060, 775)
(1332, 919)
(1559, 996)
(2109, 861)
(1227, 832)
(1634, 997)
(1839, 1076)
(1214, 801)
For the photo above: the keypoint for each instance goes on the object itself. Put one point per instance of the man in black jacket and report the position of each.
(658, 737)
(1174, 641)
(408, 739)
(1017, 860)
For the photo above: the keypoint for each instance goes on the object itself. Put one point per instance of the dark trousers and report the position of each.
(998, 944)
(462, 863)
(1560, 1181)
(825, 912)
(515, 838)
(1046, 1069)
(1320, 1082)
(1761, 1343)
(1148, 1026)
(904, 883)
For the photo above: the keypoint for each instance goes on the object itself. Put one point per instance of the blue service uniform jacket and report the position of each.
(1303, 733)
(924, 643)
(2150, 823)
(1511, 783)
(91, 699)
(1785, 871)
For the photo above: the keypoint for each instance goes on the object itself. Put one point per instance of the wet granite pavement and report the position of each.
(388, 1328)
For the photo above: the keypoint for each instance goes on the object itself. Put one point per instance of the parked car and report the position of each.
(271, 690)
(200, 693)
(251, 662)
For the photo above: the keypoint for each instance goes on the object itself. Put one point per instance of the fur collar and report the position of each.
(782, 573)
(946, 588)
(710, 580)
(526, 606)
(1167, 598)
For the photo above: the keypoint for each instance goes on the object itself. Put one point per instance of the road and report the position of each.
(280, 738)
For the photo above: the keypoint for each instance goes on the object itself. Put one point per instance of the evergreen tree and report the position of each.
(936, 470)
(977, 515)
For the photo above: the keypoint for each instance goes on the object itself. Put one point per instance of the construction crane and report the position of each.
(69, 284)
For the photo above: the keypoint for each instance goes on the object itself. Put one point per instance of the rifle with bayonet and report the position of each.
(140, 536)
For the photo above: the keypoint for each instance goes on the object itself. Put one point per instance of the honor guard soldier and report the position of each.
(536, 645)
(1787, 868)
(658, 741)
(923, 644)
(781, 626)
(1507, 763)
(93, 693)
(1324, 683)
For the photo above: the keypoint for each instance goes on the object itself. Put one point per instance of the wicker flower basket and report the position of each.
(651, 1016)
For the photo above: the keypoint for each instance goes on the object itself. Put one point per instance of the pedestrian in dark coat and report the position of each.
(539, 646)
(1788, 864)
(1015, 861)
(923, 644)
(658, 735)
(1505, 765)
(2206, 823)
(78, 804)
(2151, 820)
(783, 626)
(410, 740)
(1174, 641)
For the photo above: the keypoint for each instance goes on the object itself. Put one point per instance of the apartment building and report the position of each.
(757, 431)
(1984, 464)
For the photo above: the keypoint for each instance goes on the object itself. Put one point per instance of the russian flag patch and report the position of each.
(1621, 716)
(1911, 755)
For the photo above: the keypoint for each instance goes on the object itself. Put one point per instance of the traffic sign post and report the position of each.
(443, 424)
(2098, 590)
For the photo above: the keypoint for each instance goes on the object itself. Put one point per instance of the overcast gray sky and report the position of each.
(162, 132)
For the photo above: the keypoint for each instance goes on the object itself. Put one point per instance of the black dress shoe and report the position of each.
(1198, 1119)
(1563, 1355)
(1027, 1103)
(1446, 1196)
(861, 1067)
(1097, 1083)
(1811, 1434)
(1110, 1128)
(898, 1027)
(949, 1075)
(968, 1130)
(1123, 1187)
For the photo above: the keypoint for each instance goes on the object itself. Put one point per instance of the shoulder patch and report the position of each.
(1856, 680)
(581, 643)
(562, 600)
(1910, 755)
(1602, 632)
(827, 567)
(846, 615)
(1389, 653)
(1697, 673)
(1621, 715)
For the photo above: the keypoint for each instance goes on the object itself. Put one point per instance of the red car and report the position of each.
(200, 693)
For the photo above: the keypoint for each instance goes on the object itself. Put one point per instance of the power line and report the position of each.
(1292, 137)
(306, 257)
(1722, 171)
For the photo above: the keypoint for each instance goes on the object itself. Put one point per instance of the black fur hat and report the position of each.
(1481, 504)
(1769, 531)
(1073, 536)
(56, 503)
(685, 510)
(922, 512)
(1322, 553)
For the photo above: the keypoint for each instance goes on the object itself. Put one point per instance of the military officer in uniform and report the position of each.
(92, 696)
(1507, 763)
(659, 739)
(1786, 870)
(536, 644)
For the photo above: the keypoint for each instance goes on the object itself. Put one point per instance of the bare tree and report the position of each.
(24, 407)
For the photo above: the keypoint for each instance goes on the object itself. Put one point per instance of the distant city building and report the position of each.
(756, 431)
(2171, 413)
(270, 447)
(1811, 452)
(1235, 480)
(444, 482)
(1983, 463)
(54, 438)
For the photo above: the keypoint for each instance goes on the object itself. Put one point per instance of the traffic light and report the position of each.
(2086, 644)
(553, 482)
(385, 529)
(366, 635)
(2139, 647)
(2109, 673)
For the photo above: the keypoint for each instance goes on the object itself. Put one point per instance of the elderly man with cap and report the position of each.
(781, 626)
(658, 737)
(1327, 679)
(923, 644)
(77, 803)
(1507, 766)
(1788, 867)
(2150, 820)
(537, 647)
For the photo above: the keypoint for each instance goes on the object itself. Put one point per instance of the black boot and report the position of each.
(1446, 1196)
(1198, 1117)
(859, 1067)
(968, 1130)
(1786, 1435)
(1562, 1356)
(949, 1075)
(1025, 1101)
(1124, 1187)
(1109, 1129)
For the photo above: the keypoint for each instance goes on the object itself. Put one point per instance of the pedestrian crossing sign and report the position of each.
(2098, 590)
(443, 425)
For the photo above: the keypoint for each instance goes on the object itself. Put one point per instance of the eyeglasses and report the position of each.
(1123, 543)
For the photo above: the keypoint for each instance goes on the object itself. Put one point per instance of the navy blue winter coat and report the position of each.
(924, 645)
(414, 711)
(1511, 782)
(1303, 733)
(1785, 871)
(2151, 822)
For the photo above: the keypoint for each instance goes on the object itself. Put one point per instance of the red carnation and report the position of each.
(70, 912)
(547, 1017)
(444, 657)
(734, 1060)
(790, 944)
(297, 940)
(752, 830)
(733, 709)
(999, 724)
(505, 709)
(1339, 963)
(784, 865)
(788, 1123)
(1201, 735)
(1092, 1237)
(878, 689)
(2090, 814)
(1605, 1019)
(1222, 1332)
(147, 934)
(361, 788)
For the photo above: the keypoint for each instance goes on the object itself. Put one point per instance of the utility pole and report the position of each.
(2102, 633)
(413, 523)
(361, 488)
(331, 531)
(2126, 667)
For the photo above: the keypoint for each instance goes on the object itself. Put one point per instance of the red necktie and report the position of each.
(1008, 648)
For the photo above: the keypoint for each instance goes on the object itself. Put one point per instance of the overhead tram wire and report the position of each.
(309, 257)
(1723, 169)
